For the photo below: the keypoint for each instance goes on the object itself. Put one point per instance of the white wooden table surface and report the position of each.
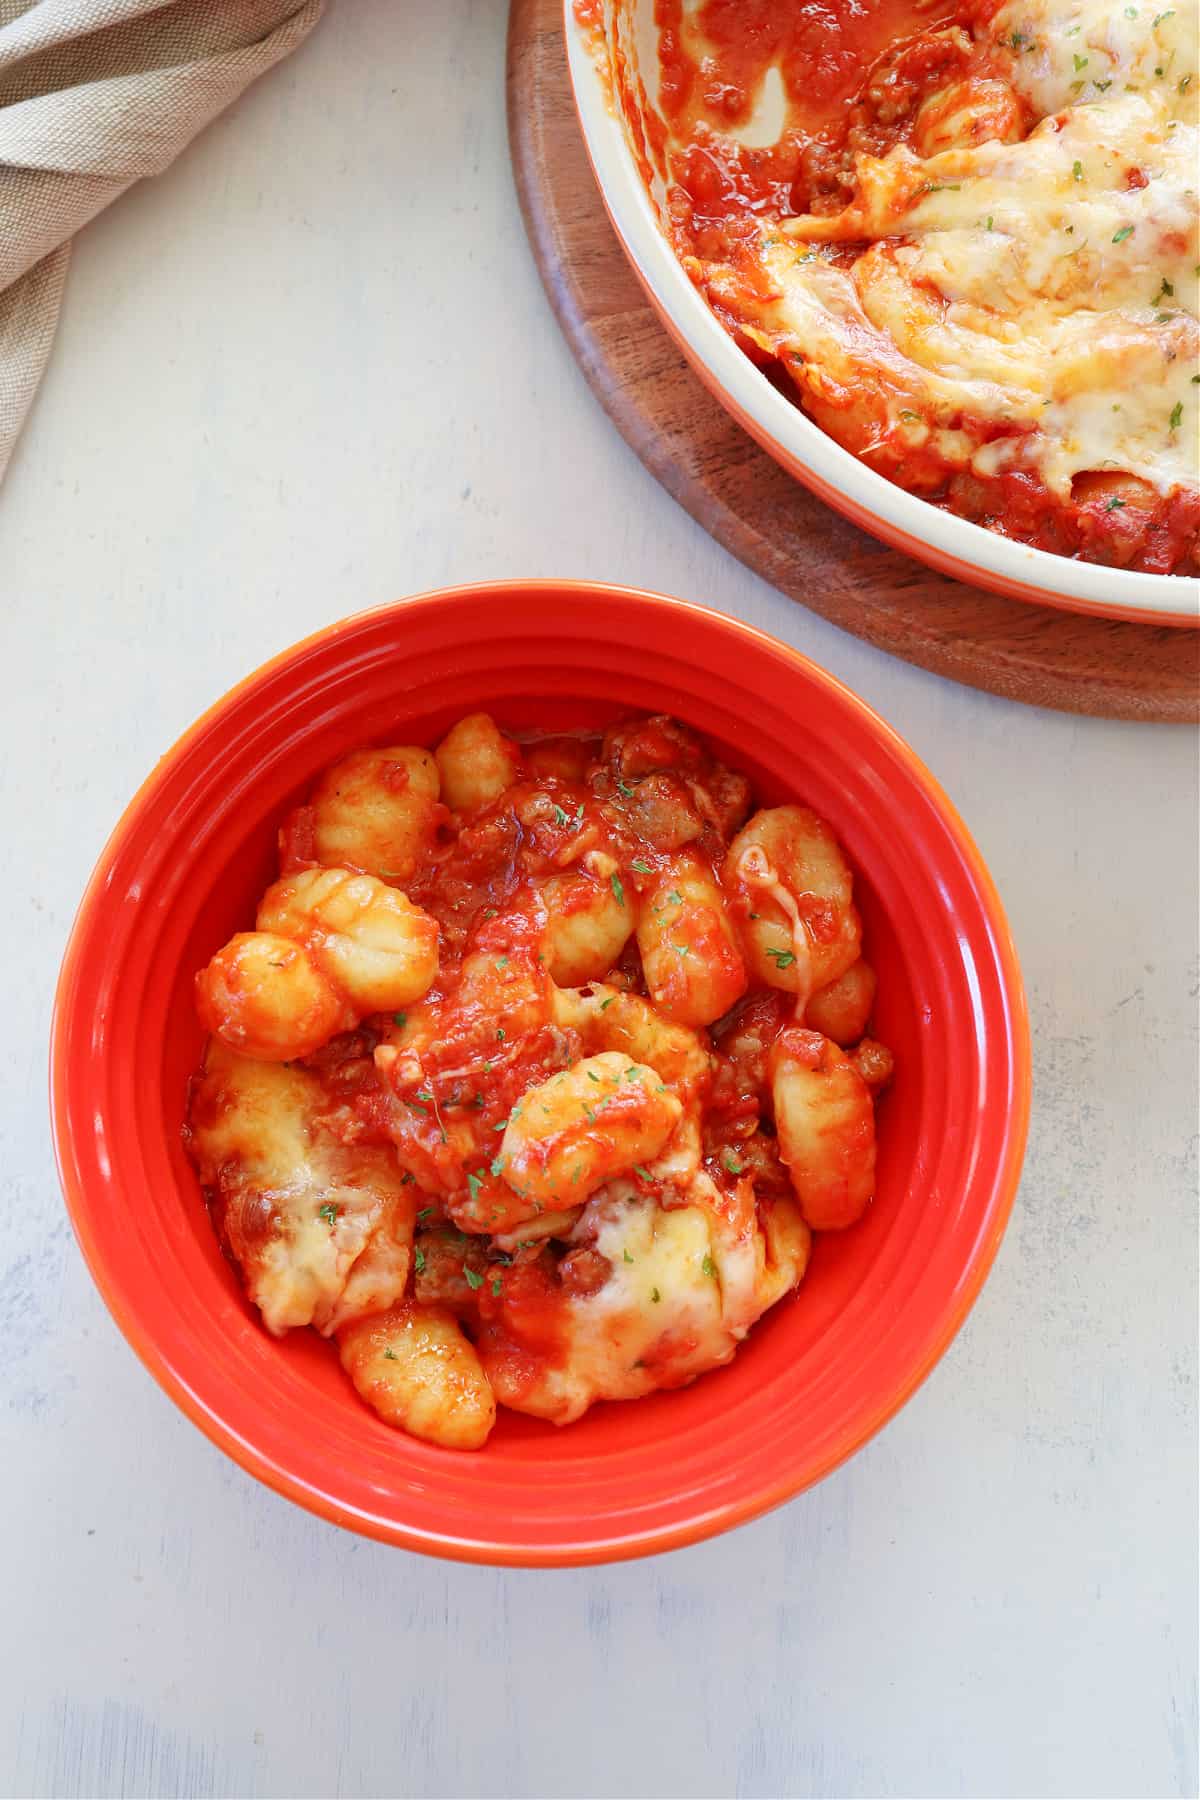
(311, 369)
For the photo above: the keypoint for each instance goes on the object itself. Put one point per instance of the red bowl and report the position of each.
(826, 1368)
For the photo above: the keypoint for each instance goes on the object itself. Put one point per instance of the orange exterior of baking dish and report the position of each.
(826, 1368)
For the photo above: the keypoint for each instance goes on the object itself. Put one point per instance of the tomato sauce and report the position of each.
(762, 109)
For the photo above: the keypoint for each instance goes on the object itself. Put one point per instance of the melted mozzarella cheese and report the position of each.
(321, 1233)
(686, 1284)
(1033, 290)
(1072, 52)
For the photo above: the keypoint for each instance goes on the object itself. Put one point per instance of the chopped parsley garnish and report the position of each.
(1161, 16)
(390, 1356)
(1166, 291)
(1177, 415)
(329, 1212)
(592, 1076)
(400, 1019)
(419, 1261)
(731, 1162)
(1081, 62)
(588, 1110)
(500, 1033)
(406, 1177)
(497, 1165)
(643, 1173)
(560, 817)
(605, 1004)
(641, 865)
(474, 1183)
(627, 1256)
(496, 1284)
(489, 912)
(426, 1212)
(1102, 86)
(655, 1295)
(1077, 170)
(1120, 236)
(783, 959)
(989, 226)
(1114, 503)
(474, 1280)
(618, 890)
(502, 963)
(623, 787)
(708, 1266)
(416, 1106)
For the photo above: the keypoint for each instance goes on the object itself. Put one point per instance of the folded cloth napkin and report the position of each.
(94, 95)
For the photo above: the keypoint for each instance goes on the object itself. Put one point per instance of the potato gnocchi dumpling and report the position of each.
(543, 1063)
(377, 811)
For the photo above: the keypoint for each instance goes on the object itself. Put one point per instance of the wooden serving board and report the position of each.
(752, 506)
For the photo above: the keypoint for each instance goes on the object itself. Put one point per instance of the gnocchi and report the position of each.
(539, 1070)
(377, 811)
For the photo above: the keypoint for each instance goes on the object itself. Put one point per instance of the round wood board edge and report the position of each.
(749, 504)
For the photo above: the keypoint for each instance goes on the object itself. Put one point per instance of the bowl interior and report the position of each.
(821, 1371)
(615, 95)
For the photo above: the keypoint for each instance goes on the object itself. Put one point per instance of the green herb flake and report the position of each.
(500, 1034)
(623, 787)
(708, 1266)
(783, 959)
(655, 1295)
(1114, 504)
(1077, 170)
(641, 865)
(1177, 415)
(400, 1019)
(731, 1162)
(1120, 236)
(644, 1174)
(605, 1004)
(497, 1165)
(426, 1212)
(474, 1280)
(1081, 62)
(329, 1212)
(989, 226)
(1155, 23)
(496, 1286)
(419, 1261)
(560, 817)
(618, 890)
(474, 1183)
(1102, 86)
(627, 1256)
(390, 1356)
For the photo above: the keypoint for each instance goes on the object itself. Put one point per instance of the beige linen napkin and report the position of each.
(95, 95)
